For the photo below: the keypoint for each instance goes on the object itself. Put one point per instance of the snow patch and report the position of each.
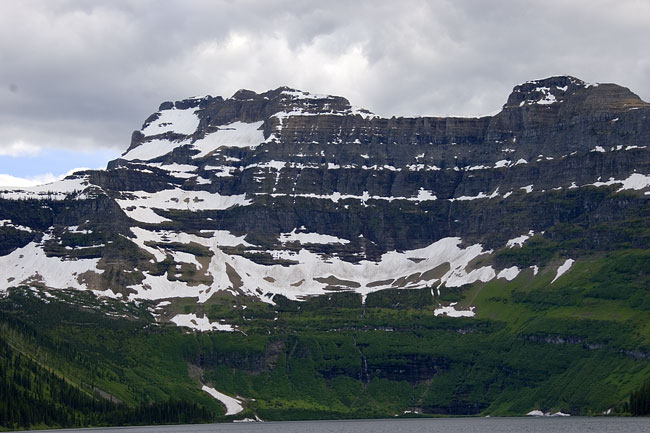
(635, 181)
(59, 190)
(179, 121)
(152, 149)
(108, 293)
(450, 311)
(8, 223)
(233, 405)
(144, 214)
(236, 134)
(180, 199)
(30, 264)
(540, 413)
(509, 273)
(199, 323)
(480, 195)
(563, 268)
(222, 171)
(311, 238)
(535, 269)
(548, 97)
(298, 94)
(310, 273)
(423, 195)
(177, 170)
(519, 240)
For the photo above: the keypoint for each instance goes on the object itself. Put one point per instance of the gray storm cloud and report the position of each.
(85, 74)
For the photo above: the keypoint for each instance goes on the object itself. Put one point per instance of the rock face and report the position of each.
(296, 194)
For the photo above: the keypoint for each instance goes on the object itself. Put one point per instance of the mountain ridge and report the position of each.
(251, 168)
(314, 260)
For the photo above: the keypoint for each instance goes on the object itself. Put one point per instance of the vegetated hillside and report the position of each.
(339, 264)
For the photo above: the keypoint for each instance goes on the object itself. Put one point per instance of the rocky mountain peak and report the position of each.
(572, 95)
(197, 117)
(544, 92)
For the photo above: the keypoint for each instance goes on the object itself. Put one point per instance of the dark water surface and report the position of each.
(437, 425)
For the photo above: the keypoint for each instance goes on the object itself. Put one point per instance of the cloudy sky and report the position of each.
(77, 77)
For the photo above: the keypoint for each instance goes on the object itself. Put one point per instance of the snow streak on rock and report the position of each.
(179, 121)
(139, 205)
(519, 240)
(233, 406)
(199, 323)
(237, 134)
(451, 311)
(563, 268)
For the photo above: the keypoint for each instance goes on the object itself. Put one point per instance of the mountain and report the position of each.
(299, 220)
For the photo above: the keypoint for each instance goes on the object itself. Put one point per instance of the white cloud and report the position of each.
(266, 63)
(7, 180)
(20, 148)
(85, 74)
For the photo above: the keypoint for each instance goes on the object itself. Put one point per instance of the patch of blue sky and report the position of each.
(56, 161)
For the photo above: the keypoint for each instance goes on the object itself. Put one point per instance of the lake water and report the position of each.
(437, 425)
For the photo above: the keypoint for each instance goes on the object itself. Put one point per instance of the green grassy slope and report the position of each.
(579, 345)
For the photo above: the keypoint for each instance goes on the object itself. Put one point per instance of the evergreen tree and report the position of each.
(640, 401)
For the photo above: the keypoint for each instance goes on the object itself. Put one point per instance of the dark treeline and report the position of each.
(32, 396)
(640, 401)
(169, 412)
